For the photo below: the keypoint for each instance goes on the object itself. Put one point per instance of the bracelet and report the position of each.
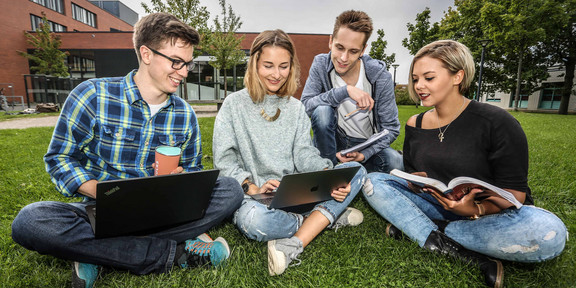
(481, 210)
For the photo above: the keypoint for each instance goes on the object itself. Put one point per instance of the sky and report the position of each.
(317, 17)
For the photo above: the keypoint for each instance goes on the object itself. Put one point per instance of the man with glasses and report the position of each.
(109, 129)
(176, 63)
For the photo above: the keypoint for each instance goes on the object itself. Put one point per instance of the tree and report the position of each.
(223, 43)
(516, 27)
(378, 49)
(420, 33)
(527, 38)
(47, 56)
(188, 11)
(561, 46)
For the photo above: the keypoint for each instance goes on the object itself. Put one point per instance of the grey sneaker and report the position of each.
(350, 217)
(281, 252)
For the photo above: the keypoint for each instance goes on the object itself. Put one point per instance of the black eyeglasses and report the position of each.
(176, 63)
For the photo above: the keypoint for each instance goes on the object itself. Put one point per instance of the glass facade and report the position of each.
(523, 103)
(35, 22)
(206, 83)
(551, 95)
(81, 64)
(83, 15)
(56, 5)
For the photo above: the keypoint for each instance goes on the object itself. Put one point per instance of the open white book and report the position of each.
(458, 187)
(366, 143)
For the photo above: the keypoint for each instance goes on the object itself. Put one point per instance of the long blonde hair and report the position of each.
(256, 88)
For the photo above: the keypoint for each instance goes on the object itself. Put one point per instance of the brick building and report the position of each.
(98, 37)
(66, 16)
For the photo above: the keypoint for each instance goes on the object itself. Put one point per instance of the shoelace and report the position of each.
(198, 254)
(293, 257)
(339, 224)
(202, 248)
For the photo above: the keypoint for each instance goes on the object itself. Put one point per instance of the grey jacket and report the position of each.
(247, 146)
(318, 91)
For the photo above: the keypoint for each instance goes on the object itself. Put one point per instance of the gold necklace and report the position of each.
(267, 117)
(441, 133)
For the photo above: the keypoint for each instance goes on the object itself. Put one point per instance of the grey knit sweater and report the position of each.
(245, 145)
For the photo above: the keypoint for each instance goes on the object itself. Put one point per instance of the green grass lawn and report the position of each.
(350, 257)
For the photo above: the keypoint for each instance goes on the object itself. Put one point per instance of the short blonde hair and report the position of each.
(256, 88)
(454, 56)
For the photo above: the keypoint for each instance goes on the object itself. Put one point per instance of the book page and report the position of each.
(420, 181)
(490, 190)
(365, 144)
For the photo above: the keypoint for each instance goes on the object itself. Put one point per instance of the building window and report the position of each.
(81, 67)
(56, 5)
(83, 15)
(523, 101)
(35, 22)
(551, 95)
(492, 97)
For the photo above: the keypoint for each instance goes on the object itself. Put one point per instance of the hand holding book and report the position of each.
(366, 143)
(457, 188)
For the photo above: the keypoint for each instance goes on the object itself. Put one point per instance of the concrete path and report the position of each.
(50, 121)
(22, 123)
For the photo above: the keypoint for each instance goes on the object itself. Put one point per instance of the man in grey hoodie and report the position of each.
(350, 98)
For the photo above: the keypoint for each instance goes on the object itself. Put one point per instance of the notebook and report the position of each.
(138, 206)
(301, 191)
(366, 143)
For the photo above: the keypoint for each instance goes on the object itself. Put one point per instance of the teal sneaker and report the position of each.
(84, 275)
(202, 251)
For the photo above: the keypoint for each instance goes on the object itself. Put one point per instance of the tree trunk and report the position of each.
(518, 80)
(185, 91)
(225, 84)
(569, 65)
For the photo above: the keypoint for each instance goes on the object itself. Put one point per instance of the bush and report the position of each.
(402, 97)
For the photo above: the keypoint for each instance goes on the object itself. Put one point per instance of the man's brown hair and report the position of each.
(155, 29)
(356, 21)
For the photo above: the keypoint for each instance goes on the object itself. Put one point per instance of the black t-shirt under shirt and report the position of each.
(484, 142)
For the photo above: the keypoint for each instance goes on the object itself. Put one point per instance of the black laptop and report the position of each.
(299, 192)
(138, 206)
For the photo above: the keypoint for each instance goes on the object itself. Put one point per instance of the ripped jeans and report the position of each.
(528, 234)
(257, 222)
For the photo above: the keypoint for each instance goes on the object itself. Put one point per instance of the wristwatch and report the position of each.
(246, 185)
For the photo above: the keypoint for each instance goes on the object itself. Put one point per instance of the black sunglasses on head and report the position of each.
(177, 64)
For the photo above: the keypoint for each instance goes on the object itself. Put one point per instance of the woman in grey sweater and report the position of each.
(261, 134)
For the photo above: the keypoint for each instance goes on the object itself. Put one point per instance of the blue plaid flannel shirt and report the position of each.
(106, 131)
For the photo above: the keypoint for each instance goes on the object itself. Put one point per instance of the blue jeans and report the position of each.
(257, 222)
(63, 230)
(528, 234)
(329, 139)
